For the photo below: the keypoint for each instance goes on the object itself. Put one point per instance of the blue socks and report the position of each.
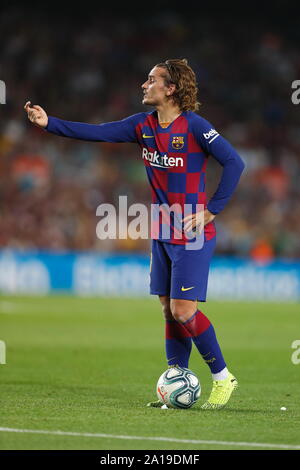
(179, 337)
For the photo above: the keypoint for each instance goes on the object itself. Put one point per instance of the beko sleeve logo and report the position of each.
(212, 135)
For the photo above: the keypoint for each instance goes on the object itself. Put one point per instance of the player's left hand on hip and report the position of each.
(197, 221)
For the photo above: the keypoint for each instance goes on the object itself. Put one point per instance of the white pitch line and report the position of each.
(147, 438)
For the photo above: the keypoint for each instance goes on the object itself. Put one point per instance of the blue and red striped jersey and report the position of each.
(175, 158)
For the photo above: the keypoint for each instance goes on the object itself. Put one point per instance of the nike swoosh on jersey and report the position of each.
(148, 136)
(186, 288)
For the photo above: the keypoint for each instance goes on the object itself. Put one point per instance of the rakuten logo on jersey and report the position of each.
(161, 161)
(212, 134)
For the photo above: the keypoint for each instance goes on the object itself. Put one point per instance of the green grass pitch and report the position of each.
(90, 365)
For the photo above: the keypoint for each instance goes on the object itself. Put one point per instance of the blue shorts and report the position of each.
(180, 273)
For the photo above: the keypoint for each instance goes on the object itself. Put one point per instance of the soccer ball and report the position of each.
(178, 387)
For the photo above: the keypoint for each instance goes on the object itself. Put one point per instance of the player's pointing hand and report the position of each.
(36, 114)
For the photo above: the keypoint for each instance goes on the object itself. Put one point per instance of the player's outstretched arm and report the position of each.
(116, 131)
(36, 114)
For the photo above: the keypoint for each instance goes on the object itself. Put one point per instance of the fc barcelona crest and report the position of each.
(178, 142)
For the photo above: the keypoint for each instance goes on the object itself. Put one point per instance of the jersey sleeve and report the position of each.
(214, 144)
(116, 131)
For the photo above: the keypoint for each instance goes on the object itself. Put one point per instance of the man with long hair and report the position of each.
(175, 143)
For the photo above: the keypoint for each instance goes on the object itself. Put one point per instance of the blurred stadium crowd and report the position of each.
(91, 71)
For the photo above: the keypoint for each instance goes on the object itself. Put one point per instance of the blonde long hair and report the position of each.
(179, 73)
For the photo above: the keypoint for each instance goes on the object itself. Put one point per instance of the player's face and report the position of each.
(154, 89)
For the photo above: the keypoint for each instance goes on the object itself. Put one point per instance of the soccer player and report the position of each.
(175, 143)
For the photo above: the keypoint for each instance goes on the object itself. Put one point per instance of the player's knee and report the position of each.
(181, 315)
(182, 311)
